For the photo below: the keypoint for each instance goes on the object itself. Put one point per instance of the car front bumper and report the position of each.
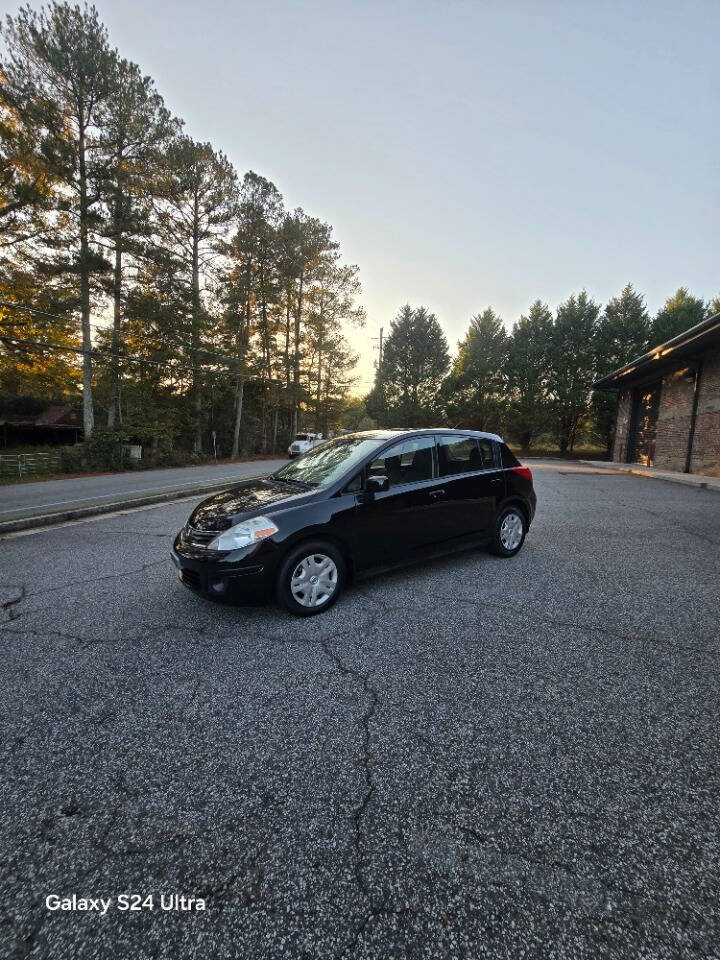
(234, 577)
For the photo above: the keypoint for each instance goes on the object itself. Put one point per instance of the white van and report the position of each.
(304, 442)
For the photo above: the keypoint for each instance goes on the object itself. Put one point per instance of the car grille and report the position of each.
(200, 537)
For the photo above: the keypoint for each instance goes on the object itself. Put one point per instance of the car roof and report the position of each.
(390, 433)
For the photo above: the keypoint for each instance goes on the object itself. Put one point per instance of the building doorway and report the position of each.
(644, 435)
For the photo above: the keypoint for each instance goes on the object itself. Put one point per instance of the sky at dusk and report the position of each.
(466, 153)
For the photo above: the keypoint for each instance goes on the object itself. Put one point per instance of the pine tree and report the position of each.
(571, 366)
(415, 361)
(314, 238)
(475, 388)
(527, 373)
(197, 205)
(136, 128)
(331, 303)
(680, 312)
(26, 184)
(58, 79)
(39, 302)
(252, 287)
(623, 332)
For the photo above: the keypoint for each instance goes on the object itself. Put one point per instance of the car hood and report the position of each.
(249, 498)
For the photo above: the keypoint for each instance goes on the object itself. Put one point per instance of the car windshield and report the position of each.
(329, 462)
(302, 436)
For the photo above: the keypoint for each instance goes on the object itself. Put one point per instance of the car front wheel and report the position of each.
(311, 578)
(510, 530)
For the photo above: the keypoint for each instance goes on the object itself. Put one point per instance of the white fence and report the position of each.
(21, 464)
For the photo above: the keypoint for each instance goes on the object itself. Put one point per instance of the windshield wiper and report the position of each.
(299, 483)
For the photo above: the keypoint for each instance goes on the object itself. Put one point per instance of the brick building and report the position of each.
(669, 403)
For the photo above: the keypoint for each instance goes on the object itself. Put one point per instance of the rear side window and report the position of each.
(487, 452)
(406, 462)
(508, 457)
(464, 455)
(458, 455)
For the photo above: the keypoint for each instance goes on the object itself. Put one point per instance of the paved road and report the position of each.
(50, 496)
(477, 757)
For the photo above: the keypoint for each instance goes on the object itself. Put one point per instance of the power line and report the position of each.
(136, 336)
(25, 309)
(95, 353)
(63, 348)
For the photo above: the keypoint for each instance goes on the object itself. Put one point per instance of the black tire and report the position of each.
(501, 535)
(310, 551)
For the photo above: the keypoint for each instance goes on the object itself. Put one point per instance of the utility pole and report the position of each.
(379, 348)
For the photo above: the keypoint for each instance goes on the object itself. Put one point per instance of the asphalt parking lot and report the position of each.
(474, 758)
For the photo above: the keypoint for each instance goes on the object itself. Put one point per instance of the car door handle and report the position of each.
(497, 480)
(434, 494)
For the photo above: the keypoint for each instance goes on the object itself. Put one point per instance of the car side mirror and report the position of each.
(376, 483)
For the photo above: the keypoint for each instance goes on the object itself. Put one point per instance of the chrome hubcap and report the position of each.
(511, 531)
(314, 580)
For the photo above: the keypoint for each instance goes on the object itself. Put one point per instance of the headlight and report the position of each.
(243, 534)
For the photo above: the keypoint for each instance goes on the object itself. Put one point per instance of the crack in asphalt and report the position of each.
(486, 602)
(554, 622)
(375, 909)
(13, 614)
(529, 615)
(360, 812)
(518, 854)
(26, 943)
(667, 517)
(370, 787)
(43, 634)
(251, 878)
(191, 699)
(13, 601)
(609, 888)
(83, 581)
(86, 642)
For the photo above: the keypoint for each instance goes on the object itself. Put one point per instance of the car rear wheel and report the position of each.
(311, 578)
(510, 530)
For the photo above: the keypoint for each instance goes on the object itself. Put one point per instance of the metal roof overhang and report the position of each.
(686, 347)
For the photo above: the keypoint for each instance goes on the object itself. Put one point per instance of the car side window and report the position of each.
(459, 455)
(405, 462)
(355, 484)
(487, 452)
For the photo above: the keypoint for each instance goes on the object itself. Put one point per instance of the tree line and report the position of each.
(186, 307)
(139, 271)
(532, 383)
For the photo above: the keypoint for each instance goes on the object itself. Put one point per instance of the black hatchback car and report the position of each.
(355, 505)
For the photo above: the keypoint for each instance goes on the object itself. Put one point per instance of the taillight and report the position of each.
(524, 472)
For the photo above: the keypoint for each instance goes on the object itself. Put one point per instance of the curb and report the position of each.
(684, 479)
(97, 509)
